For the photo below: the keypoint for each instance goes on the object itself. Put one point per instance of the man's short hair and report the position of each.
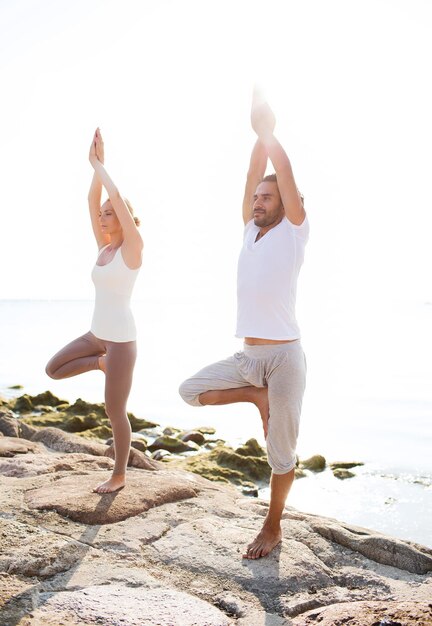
(271, 178)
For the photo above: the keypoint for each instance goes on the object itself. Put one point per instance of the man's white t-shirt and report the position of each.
(267, 280)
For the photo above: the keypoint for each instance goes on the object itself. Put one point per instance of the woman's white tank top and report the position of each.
(112, 316)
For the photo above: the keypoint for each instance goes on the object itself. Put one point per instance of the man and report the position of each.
(270, 372)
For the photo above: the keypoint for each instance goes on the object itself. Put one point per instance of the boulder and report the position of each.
(30, 464)
(345, 464)
(364, 613)
(172, 444)
(61, 441)
(342, 474)
(121, 604)
(11, 446)
(251, 448)
(75, 499)
(195, 436)
(316, 463)
(9, 425)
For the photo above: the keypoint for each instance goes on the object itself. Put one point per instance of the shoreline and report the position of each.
(167, 548)
(383, 497)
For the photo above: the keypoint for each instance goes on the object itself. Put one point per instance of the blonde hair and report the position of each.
(131, 211)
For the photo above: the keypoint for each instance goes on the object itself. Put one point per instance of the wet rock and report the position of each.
(54, 419)
(139, 444)
(316, 463)
(225, 465)
(76, 500)
(206, 430)
(299, 473)
(136, 459)
(251, 448)
(159, 455)
(23, 404)
(253, 467)
(11, 446)
(195, 436)
(81, 407)
(9, 425)
(171, 431)
(342, 474)
(172, 444)
(250, 491)
(140, 423)
(345, 465)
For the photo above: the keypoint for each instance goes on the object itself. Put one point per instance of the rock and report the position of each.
(31, 551)
(23, 404)
(61, 441)
(345, 465)
(9, 425)
(342, 474)
(76, 500)
(117, 604)
(250, 491)
(224, 465)
(159, 455)
(26, 403)
(136, 459)
(81, 407)
(206, 430)
(389, 613)
(195, 436)
(47, 398)
(170, 431)
(251, 448)
(52, 419)
(39, 464)
(315, 463)
(379, 548)
(299, 473)
(139, 423)
(172, 445)
(11, 446)
(253, 467)
(139, 444)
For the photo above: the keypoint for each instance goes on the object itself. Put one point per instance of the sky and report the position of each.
(170, 84)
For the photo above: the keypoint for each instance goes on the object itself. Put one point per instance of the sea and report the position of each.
(368, 398)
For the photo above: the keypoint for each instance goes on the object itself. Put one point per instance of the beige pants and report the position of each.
(281, 368)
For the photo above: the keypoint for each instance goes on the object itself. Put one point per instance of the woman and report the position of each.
(111, 343)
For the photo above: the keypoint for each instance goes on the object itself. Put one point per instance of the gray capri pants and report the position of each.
(281, 368)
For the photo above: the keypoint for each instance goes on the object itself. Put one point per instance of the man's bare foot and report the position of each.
(101, 363)
(116, 482)
(267, 539)
(261, 401)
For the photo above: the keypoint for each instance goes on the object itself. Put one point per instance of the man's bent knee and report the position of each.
(189, 393)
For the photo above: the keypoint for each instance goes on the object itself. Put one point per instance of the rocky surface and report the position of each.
(167, 549)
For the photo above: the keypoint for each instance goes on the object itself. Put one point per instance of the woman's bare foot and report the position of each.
(267, 539)
(116, 482)
(101, 363)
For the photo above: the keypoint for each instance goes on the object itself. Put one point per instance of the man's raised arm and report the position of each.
(256, 171)
(263, 122)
